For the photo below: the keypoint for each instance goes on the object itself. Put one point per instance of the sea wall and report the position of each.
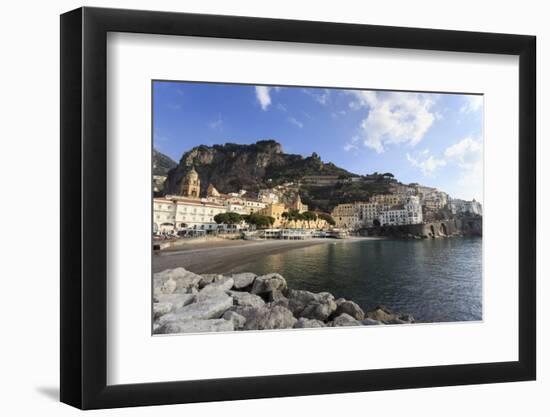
(468, 226)
(184, 302)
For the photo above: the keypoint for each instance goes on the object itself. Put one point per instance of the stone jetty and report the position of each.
(184, 302)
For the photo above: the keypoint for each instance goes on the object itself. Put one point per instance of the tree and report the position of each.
(327, 217)
(309, 216)
(228, 218)
(260, 220)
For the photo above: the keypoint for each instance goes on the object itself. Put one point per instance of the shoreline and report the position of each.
(185, 302)
(222, 256)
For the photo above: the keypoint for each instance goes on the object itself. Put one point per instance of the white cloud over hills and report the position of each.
(394, 117)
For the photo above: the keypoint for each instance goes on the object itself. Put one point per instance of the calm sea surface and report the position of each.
(434, 280)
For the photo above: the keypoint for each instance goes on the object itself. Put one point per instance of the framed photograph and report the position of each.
(257, 208)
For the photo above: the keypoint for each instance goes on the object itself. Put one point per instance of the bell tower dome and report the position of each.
(191, 184)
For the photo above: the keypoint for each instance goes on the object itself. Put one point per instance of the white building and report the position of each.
(410, 213)
(268, 196)
(253, 206)
(457, 206)
(174, 213)
(367, 213)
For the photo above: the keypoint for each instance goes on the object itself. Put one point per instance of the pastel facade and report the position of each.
(174, 213)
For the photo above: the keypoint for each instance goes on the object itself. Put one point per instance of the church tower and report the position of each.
(191, 184)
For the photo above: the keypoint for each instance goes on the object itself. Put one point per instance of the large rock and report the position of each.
(310, 305)
(210, 308)
(266, 284)
(177, 280)
(223, 284)
(196, 326)
(177, 300)
(381, 313)
(245, 299)
(351, 308)
(371, 322)
(264, 318)
(345, 320)
(236, 318)
(160, 309)
(408, 318)
(243, 280)
(304, 323)
(208, 279)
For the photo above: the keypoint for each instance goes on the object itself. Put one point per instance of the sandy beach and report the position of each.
(221, 256)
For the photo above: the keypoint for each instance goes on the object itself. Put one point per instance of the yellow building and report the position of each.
(191, 184)
(298, 205)
(276, 211)
(388, 199)
(345, 215)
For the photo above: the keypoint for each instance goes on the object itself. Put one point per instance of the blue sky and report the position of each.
(433, 139)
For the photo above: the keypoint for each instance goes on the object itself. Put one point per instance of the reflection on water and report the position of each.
(434, 280)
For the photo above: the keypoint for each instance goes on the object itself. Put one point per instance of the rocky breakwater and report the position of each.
(184, 302)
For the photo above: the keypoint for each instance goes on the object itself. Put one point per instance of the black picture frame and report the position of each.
(84, 207)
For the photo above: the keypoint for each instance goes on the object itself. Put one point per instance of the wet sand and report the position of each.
(222, 256)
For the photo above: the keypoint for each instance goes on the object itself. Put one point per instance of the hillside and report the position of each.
(264, 164)
(162, 163)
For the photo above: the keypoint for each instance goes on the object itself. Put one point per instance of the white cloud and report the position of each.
(321, 98)
(466, 152)
(295, 122)
(472, 104)
(337, 114)
(352, 146)
(394, 117)
(466, 156)
(262, 94)
(216, 124)
(427, 163)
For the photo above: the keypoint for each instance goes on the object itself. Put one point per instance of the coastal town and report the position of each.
(278, 212)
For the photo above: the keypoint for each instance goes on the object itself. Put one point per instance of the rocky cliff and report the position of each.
(231, 167)
(162, 163)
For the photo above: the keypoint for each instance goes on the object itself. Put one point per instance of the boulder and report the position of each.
(236, 318)
(160, 309)
(196, 326)
(208, 279)
(243, 280)
(397, 321)
(340, 301)
(310, 305)
(319, 310)
(177, 300)
(156, 328)
(263, 318)
(351, 308)
(210, 308)
(166, 287)
(381, 313)
(279, 301)
(345, 320)
(177, 280)
(223, 284)
(245, 299)
(299, 299)
(304, 323)
(371, 322)
(407, 318)
(266, 284)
